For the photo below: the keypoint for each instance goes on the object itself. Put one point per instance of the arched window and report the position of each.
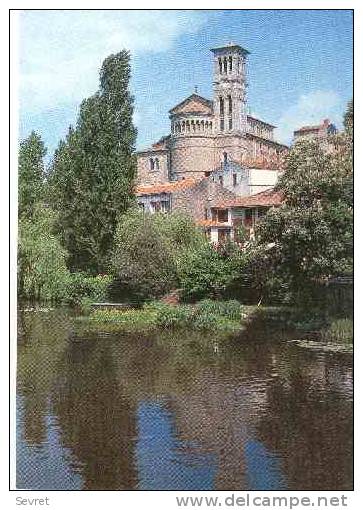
(221, 124)
(230, 63)
(156, 164)
(220, 65)
(221, 106)
(225, 158)
(225, 65)
(229, 105)
(152, 164)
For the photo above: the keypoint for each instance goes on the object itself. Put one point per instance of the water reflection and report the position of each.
(109, 412)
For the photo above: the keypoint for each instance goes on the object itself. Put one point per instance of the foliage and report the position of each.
(309, 238)
(349, 119)
(340, 331)
(224, 317)
(148, 248)
(169, 316)
(92, 173)
(31, 173)
(205, 271)
(230, 309)
(42, 272)
(83, 286)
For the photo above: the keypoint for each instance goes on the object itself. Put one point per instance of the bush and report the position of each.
(174, 316)
(147, 250)
(204, 272)
(42, 271)
(230, 309)
(83, 288)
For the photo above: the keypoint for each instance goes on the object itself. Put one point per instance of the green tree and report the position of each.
(42, 272)
(207, 271)
(349, 118)
(91, 180)
(31, 173)
(148, 249)
(309, 237)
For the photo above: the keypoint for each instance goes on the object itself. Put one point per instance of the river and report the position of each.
(178, 412)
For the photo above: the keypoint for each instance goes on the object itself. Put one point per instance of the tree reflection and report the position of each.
(186, 411)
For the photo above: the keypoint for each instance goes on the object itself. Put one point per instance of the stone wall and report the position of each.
(148, 176)
(192, 156)
(194, 201)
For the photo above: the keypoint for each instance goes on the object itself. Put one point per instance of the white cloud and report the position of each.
(310, 108)
(61, 51)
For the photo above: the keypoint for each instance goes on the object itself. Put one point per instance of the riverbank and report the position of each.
(312, 329)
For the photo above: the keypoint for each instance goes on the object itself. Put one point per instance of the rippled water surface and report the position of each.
(105, 411)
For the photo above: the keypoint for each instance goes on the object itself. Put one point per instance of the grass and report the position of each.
(225, 317)
(340, 331)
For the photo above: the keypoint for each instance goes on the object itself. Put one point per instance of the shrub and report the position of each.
(147, 250)
(204, 272)
(230, 309)
(83, 288)
(169, 316)
(42, 271)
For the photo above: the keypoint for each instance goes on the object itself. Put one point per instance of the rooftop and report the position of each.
(324, 124)
(193, 97)
(267, 198)
(230, 46)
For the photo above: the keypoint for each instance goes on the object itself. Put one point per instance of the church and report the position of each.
(216, 153)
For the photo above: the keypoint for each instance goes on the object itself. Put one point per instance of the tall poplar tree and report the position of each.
(30, 173)
(92, 174)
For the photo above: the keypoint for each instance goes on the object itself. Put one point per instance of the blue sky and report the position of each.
(300, 67)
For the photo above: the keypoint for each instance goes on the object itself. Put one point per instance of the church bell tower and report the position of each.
(229, 86)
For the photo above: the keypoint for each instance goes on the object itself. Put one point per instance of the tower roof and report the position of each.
(193, 104)
(230, 46)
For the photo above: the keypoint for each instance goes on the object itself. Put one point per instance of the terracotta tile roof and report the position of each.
(194, 97)
(161, 144)
(263, 162)
(307, 128)
(324, 124)
(267, 198)
(167, 187)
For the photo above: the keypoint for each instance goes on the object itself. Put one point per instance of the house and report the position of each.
(226, 218)
(318, 132)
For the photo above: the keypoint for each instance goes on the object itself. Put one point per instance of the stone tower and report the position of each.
(229, 85)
